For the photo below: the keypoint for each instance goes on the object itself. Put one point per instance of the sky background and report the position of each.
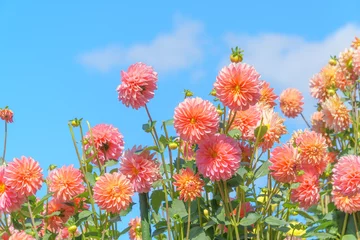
(61, 61)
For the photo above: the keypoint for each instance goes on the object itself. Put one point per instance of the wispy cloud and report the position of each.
(176, 50)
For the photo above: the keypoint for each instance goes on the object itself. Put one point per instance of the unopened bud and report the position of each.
(173, 145)
(97, 178)
(332, 61)
(220, 111)
(213, 93)
(331, 91)
(52, 167)
(72, 229)
(206, 213)
(188, 93)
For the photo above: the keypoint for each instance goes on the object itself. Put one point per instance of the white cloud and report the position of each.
(290, 61)
(173, 51)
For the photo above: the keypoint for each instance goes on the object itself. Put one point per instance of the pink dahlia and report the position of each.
(246, 121)
(107, 141)
(320, 83)
(291, 102)
(135, 229)
(356, 61)
(140, 168)
(283, 163)
(7, 115)
(10, 200)
(308, 193)
(188, 184)
(238, 86)
(21, 236)
(194, 119)
(56, 222)
(113, 192)
(312, 147)
(268, 97)
(218, 157)
(66, 183)
(336, 115)
(275, 128)
(138, 85)
(317, 122)
(343, 78)
(348, 204)
(24, 176)
(346, 175)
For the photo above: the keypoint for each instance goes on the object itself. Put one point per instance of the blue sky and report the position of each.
(60, 61)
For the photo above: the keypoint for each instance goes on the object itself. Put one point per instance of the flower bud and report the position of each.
(332, 61)
(206, 213)
(72, 229)
(213, 93)
(173, 145)
(188, 93)
(52, 167)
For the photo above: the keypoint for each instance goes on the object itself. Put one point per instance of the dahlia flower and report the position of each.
(107, 141)
(135, 229)
(283, 163)
(113, 192)
(10, 200)
(218, 157)
(238, 86)
(317, 122)
(291, 102)
(56, 222)
(336, 115)
(246, 121)
(21, 236)
(312, 147)
(275, 128)
(347, 204)
(346, 175)
(66, 183)
(195, 119)
(356, 61)
(267, 96)
(7, 115)
(308, 193)
(189, 184)
(138, 85)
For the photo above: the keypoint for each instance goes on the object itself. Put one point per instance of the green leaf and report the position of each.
(320, 235)
(242, 171)
(324, 225)
(124, 231)
(294, 185)
(274, 221)
(290, 205)
(197, 233)
(169, 122)
(90, 177)
(178, 207)
(159, 231)
(110, 163)
(57, 213)
(348, 237)
(305, 215)
(234, 133)
(83, 215)
(262, 170)
(125, 212)
(157, 197)
(150, 148)
(250, 219)
(260, 132)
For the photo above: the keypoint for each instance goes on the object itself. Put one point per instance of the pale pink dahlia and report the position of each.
(10, 200)
(308, 193)
(135, 229)
(320, 83)
(138, 85)
(283, 163)
(343, 78)
(348, 204)
(218, 157)
(356, 61)
(312, 147)
(336, 115)
(194, 119)
(140, 168)
(268, 97)
(113, 192)
(108, 143)
(317, 122)
(66, 183)
(346, 175)
(275, 128)
(21, 236)
(291, 102)
(238, 86)
(24, 176)
(246, 121)
(345, 58)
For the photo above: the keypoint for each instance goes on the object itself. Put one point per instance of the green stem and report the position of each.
(200, 214)
(345, 225)
(230, 122)
(144, 213)
(356, 226)
(5, 138)
(305, 120)
(32, 221)
(168, 221)
(188, 223)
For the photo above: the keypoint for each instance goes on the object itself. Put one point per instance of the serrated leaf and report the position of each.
(250, 219)
(274, 221)
(178, 207)
(83, 215)
(157, 197)
(262, 170)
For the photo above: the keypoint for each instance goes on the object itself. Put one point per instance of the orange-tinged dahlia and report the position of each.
(238, 86)
(275, 128)
(7, 115)
(218, 157)
(21, 236)
(343, 78)
(308, 193)
(135, 229)
(10, 200)
(356, 43)
(56, 222)
(312, 147)
(346, 175)
(108, 143)
(284, 163)
(317, 122)
(138, 85)
(268, 97)
(320, 83)
(113, 192)
(336, 115)
(345, 58)
(66, 183)
(246, 121)
(195, 119)
(348, 204)
(291, 102)
(189, 184)
(24, 176)
(356, 61)
(140, 168)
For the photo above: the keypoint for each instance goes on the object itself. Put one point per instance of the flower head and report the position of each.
(321, 82)
(24, 176)
(308, 193)
(291, 102)
(56, 222)
(113, 192)
(238, 86)
(275, 128)
(194, 119)
(66, 183)
(336, 115)
(107, 141)
(218, 157)
(312, 147)
(10, 200)
(140, 168)
(346, 175)
(356, 43)
(246, 121)
(283, 163)
(317, 122)
(189, 184)
(356, 61)
(138, 85)
(135, 229)
(7, 115)
(347, 204)
(268, 97)
(21, 236)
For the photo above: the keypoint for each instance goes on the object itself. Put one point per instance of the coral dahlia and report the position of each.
(346, 175)
(312, 147)
(308, 193)
(10, 200)
(347, 204)
(268, 97)
(291, 102)
(135, 229)
(246, 121)
(284, 163)
(336, 115)
(189, 184)
(275, 128)
(7, 115)
(21, 236)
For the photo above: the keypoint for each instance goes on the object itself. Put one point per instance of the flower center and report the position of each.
(236, 89)
(192, 120)
(135, 171)
(105, 147)
(213, 153)
(2, 188)
(143, 88)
